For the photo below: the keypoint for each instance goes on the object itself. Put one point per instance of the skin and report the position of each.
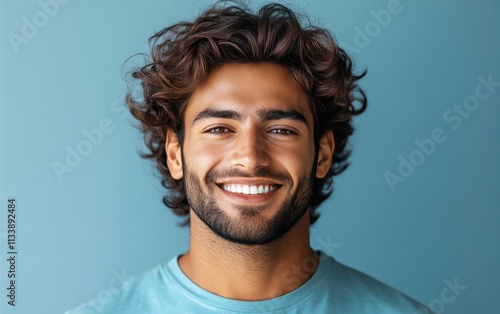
(251, 147)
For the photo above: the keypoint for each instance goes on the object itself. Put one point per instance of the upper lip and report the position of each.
(249, 181)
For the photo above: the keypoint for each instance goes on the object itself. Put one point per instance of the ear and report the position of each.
(174, 157)
(325, 154)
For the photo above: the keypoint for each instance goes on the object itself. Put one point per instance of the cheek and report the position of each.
(202, 157)
(297, 159)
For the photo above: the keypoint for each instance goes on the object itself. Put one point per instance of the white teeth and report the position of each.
(245, 189)
(249, 189)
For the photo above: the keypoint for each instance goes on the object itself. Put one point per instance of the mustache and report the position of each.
(214, 174)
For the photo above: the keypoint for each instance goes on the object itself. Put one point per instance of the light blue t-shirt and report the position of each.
(334, 288)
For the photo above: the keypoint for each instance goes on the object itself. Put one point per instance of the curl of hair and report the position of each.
(184, 54)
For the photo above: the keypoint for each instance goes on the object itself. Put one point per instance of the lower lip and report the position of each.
(249, 198)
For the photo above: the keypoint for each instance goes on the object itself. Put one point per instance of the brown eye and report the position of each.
(282, 131)
(218, 130)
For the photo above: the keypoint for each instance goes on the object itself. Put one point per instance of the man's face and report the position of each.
(248, 152)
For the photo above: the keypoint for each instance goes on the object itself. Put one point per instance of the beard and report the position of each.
(246, 228)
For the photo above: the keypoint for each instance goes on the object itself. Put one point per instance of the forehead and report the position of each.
(249, 89)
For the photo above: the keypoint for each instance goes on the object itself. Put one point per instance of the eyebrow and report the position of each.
(221, 114)
(274, 114)
(264, 115)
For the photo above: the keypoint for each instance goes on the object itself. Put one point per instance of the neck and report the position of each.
(249, 272)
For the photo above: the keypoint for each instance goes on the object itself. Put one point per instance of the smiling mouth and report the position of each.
(249, 189)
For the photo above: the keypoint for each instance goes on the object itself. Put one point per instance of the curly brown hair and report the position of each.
(184, 54)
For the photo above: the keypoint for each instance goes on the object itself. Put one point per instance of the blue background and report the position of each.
(106, 217)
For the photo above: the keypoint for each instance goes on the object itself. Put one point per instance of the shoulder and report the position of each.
(129, 296)
(357, 289)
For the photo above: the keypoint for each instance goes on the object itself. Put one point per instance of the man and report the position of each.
(248, 116)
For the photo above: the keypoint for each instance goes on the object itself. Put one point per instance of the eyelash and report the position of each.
(221, 130)
(282, 132)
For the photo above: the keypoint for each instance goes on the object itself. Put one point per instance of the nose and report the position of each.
(249, 151)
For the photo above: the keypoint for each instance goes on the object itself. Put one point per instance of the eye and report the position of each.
(282, 132)
(218, 130)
